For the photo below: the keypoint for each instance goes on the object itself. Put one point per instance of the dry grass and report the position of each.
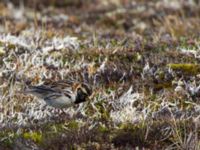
(141, 59)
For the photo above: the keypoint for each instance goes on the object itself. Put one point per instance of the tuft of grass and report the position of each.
(74, 125)
(7, 138)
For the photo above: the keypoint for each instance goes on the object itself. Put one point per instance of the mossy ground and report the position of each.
(140, 58)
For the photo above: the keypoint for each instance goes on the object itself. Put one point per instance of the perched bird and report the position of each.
(61, 94)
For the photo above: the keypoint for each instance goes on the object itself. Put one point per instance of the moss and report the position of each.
(35, 136)
(190, 69)
(11, 46)
(72, 125)
(163, 85)
(104, 113)
(103, 129)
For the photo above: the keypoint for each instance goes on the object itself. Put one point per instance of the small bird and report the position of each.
(61, 94)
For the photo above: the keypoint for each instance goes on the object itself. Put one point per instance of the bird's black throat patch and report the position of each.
(80, 97)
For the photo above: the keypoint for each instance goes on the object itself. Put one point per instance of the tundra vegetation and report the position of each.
(141, 59)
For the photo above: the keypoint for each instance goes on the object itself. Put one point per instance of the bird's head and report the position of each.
(83, 92)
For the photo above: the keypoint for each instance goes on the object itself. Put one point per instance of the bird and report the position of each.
(60, 94)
